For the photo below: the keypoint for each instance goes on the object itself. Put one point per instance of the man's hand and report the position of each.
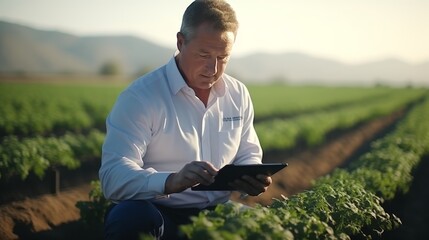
(191, 174)
(252, 186)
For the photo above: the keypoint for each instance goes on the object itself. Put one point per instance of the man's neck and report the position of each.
(203, 95)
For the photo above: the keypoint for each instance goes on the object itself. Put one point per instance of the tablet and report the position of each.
(231, 172)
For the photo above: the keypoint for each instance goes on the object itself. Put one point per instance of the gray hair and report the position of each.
(217, 12)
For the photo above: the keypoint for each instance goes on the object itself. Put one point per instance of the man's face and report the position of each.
(203, 59)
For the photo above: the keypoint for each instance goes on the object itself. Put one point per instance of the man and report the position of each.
(175, 128)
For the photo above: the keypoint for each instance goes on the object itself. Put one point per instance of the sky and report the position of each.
(352, 31)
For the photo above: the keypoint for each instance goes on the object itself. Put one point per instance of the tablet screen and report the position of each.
(231, 172)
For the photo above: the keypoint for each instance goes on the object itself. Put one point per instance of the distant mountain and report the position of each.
(29, 50)
(302, 68)
(25, 49)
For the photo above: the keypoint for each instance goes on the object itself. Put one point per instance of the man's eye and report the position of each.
(223, 58)
(204, 56)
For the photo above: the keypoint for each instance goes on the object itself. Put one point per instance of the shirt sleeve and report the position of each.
(122, 173)
(249, 151)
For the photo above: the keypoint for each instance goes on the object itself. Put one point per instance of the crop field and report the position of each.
(59, 128)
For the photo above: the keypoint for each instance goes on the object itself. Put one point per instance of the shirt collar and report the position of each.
(177, 82)
(174, 78)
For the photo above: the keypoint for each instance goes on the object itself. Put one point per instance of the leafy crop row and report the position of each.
(33, 110)
(279, 101)
(312, 128)
(22, 156)
(336, 211)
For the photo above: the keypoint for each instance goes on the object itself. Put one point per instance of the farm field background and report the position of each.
(59, 128)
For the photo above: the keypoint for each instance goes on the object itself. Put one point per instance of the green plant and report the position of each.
(92, 212)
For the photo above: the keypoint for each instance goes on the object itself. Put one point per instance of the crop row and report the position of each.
(283, 101)
(39, 109)
(19, 157)
(312, 128)
(342, 205)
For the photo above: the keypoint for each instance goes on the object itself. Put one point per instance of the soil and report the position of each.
(55, 216)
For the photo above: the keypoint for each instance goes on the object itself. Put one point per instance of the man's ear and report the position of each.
(180, 41)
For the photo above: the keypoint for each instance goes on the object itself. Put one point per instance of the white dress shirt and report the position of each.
(158, 125)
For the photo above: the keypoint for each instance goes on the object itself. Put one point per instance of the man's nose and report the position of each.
(211, 66)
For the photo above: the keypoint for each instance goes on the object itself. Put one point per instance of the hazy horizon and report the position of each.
(351, 32)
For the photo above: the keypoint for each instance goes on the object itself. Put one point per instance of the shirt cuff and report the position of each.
(156, 183)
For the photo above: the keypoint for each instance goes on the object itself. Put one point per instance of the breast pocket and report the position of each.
(230, 123)
(230, 131)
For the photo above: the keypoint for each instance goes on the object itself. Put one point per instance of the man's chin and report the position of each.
(207, 85)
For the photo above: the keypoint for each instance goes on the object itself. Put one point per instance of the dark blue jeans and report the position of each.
(129, 219)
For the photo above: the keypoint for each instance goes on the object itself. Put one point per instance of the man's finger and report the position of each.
(208, 167)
